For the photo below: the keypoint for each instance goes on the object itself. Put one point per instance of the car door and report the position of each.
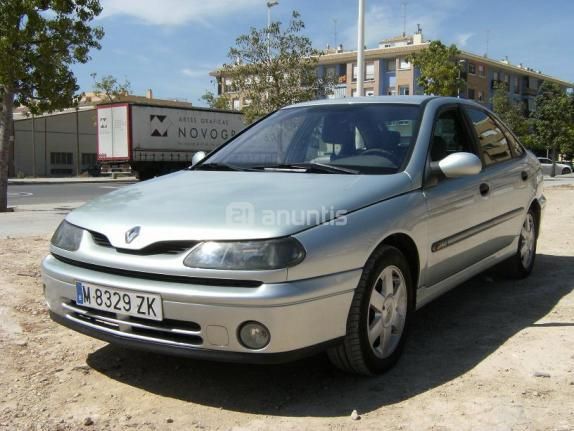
(546, 165)
(508, 175)
(457, 208)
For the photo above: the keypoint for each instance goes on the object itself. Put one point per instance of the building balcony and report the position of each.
(498, 83)
(339, 92)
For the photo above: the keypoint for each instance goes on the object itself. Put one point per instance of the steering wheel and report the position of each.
(386, 154)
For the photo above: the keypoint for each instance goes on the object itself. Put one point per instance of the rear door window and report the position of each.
(517, 149)
(492, 141)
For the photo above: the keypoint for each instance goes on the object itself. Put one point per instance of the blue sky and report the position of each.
(171, 45)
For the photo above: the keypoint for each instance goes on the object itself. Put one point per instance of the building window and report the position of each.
(391, 64)
(391, 91)
(517, 84)
(404, 63)
(61, 158)
(331, 72)
(404, 90)
(370, 72)
(472, 68)
(480, 96)
(370, 93)
(236, 104)
(481, 70)
(495, 76)
(89, 159)
(471, 95)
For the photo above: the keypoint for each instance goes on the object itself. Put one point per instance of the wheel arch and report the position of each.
(535, 206)
(408, 247)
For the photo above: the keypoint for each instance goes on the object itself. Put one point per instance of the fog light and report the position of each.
(254, 335)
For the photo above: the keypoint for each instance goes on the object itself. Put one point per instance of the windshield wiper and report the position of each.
(218, 167)
(309, 167)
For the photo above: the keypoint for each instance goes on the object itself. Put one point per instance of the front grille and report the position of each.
(167, 330)
(162, 247)
(100, 239)
(224, 282)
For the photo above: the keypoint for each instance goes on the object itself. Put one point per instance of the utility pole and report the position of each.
(361, 48)
(270, 4)
(335, 32)
(404, 5)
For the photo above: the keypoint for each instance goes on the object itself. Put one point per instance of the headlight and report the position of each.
(67, 236)
(246, 255)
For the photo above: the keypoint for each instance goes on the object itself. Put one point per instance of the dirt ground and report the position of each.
(491, 355)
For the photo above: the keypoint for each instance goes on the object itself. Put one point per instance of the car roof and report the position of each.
(406, 100)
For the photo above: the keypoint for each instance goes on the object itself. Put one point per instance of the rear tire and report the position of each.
(379, 316)
(521, 264)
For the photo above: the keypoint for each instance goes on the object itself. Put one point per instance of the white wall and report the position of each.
(53, 133)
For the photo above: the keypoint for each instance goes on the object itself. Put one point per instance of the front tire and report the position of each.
(522, 263)
(379, 316)
(566, 171)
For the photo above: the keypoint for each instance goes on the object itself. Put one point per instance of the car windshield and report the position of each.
(366, 138)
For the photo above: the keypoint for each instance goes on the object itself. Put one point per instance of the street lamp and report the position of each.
(361, 48)
(270, 4)
(461, 64)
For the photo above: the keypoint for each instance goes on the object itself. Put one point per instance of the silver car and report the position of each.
(322, 227)
(561, 168)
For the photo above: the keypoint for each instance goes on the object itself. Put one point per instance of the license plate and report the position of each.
(137, 304)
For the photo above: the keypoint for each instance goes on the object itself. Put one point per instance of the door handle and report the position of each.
(524, 175)
(484, 189)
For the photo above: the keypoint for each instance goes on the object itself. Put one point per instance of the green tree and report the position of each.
(216, 102)
(39, 41)
(110, 88)
(567, 147)
(272, 67)
(509, 111)
(553, 120)
(439, 69)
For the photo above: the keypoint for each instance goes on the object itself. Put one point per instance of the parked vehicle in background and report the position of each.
(324, 226)
(561, 168)
(156, 140)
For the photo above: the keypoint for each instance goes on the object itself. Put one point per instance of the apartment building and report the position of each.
(388, 72)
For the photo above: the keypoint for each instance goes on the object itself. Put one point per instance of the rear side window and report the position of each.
(492, 141)
(517, 149)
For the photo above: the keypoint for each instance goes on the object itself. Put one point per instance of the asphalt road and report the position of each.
(37, 194)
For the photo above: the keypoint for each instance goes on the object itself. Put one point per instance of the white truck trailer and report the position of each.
(155, 140)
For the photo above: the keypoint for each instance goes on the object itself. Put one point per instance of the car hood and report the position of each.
(217, 205)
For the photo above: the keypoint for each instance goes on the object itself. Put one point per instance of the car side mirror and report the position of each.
(197, 157)
(457, 165)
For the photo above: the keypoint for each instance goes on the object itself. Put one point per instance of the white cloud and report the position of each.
(196, 73)
(462, 39)
(175, 12)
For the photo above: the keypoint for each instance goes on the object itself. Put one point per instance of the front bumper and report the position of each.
(202, 321)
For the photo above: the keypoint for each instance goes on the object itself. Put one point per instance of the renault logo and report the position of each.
(132, 234)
